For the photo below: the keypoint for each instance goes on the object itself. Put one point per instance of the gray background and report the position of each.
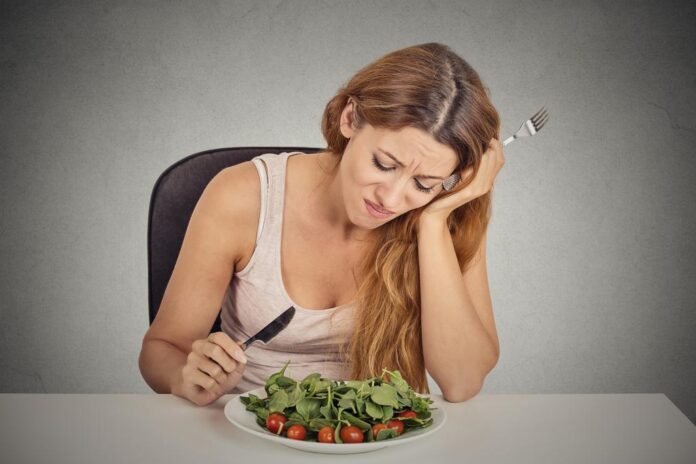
(591, 244)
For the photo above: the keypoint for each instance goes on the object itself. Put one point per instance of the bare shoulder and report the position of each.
(236, 191)
(241, 181)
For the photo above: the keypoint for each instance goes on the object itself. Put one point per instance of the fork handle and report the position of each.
(508, 140)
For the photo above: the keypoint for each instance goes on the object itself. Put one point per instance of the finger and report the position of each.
(199, 379)
(211, 368)
(495, 148)
(230, 346)
(235, 376)
(499, 155)
(204, 381)
(483, 171)
(197, 345)
(497, 160)
(239, 368)
(467, 173)
(483, 177)
(493, 164)
(219, 355)
(493, 168)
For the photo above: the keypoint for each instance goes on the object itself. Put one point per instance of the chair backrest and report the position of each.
(173, 199)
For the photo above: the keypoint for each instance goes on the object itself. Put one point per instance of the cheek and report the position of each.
(364, 182)
(356, 185)
(366, 177)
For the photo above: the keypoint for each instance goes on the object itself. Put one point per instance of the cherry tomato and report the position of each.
(297, 432)
(326, 435)
(376, 428)
(408, 413)
(396, 424)
(274, 422)
(351, 434)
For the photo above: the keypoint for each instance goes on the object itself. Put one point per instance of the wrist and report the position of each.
(432, 221)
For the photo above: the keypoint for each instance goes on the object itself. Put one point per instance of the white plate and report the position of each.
(236, 412)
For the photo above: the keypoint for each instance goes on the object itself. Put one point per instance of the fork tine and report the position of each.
(540, 124)
(539, 115)
(529, 127)
(536, 115)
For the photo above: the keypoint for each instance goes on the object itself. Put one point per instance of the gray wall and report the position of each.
(591, 243)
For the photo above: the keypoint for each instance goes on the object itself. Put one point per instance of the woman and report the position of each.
(364, 230)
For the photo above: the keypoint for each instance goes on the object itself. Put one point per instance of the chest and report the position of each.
(318, 273)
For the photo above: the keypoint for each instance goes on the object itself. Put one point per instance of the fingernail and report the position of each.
(242, 357)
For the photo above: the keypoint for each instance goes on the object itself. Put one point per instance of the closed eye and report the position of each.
(419, 186)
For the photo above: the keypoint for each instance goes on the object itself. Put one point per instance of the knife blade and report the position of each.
(272, 329)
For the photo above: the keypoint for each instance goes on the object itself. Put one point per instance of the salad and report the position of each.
(339, 411)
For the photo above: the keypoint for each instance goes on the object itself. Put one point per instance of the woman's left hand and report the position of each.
(491, 163)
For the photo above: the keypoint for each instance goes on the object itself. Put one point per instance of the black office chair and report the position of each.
(173, 199)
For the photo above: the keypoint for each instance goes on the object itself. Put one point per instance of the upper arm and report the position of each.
(223, 220)
(475, 278)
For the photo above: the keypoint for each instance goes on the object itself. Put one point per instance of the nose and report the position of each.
(389, 196)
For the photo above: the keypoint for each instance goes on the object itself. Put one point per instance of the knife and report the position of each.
(272, 329)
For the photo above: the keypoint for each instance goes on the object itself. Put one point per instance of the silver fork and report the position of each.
(530, 127)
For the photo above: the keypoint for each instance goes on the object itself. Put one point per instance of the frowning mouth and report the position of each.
(376, 211)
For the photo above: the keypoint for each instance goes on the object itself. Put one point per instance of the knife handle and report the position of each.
(246, 344)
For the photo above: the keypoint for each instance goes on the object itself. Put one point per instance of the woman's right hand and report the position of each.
(214, 366)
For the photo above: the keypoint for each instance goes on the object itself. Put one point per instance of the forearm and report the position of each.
(160, 364)
(457, 349)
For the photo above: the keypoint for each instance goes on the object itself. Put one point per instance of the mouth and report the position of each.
(376, 211)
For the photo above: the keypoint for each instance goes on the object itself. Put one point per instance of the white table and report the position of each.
(150, 428)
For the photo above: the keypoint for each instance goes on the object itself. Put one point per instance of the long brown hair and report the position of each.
(431, 88)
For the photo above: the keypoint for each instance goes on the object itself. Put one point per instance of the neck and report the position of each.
(327, 199)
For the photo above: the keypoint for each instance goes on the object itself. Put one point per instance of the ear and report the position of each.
(349, 121)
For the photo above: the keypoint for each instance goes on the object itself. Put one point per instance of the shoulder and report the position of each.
(240, 180)
(236, 190)
(234, 195)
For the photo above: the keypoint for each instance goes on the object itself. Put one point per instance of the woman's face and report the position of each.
(399, 184)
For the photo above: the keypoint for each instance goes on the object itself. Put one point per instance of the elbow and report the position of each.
(462, 394)
(472, 388)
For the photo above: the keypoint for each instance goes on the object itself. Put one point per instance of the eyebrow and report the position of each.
(403, 165)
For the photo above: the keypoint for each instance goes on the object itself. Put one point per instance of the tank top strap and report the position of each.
(263, 180)
(272, 172)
